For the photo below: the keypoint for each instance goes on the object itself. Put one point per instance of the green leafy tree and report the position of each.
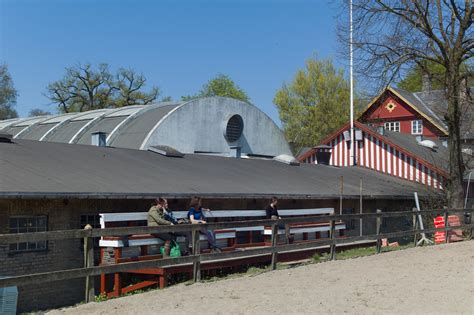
(8, 94)
(413, 81)
(433, 72)
(314, 104)
(38, 112)
(84, 88)
(221, 85)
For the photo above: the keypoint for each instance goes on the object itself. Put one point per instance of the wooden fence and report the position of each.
(89, 270)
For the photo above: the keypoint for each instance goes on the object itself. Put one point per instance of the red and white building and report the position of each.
(386, 154)
(400, 134)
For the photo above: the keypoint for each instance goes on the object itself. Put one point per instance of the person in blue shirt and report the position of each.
(196, 216)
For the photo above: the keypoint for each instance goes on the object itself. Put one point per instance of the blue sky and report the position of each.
(177, 45)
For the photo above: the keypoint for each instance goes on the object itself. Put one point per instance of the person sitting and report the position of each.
(157, 217)
(196, 216)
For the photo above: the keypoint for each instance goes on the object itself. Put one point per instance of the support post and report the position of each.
(379, 241)
(415, 226)
(446, 224)
(342, 193)
(332, 235)
(360, 207)
(196, 252)
(89, 262)
(274, 243)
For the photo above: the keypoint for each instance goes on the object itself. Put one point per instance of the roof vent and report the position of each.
(166, 151)
(236, 152)
(381, 130)
(6, 137)
(287, 159)
(234, 128)
(429, 144)
(99, 139)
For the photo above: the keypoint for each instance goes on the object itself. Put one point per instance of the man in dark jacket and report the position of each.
(272, 213)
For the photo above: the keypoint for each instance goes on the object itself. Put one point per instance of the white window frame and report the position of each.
(392, 126)
(418, 124)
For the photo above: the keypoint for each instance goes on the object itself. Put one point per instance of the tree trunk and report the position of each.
(456, 166)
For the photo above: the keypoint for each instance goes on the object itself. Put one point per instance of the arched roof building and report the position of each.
(213, 125)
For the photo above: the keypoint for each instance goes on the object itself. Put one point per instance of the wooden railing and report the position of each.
(196, 258)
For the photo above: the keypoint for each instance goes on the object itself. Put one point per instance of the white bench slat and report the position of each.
(158, 241)
(143, 216)
(306, 229)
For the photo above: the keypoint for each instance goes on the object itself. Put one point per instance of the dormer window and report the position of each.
(417, 127)
(392, 126)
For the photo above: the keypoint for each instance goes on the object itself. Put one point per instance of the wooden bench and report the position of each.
(113, 250)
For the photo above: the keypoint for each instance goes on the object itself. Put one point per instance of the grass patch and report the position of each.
(356, 252)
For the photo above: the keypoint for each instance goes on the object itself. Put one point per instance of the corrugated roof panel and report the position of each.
(90, 115)
(106, 125)
(65, 132)
(135, 132)
(125, 111)
(5, 123)
(37, 131)
(60, 118)
(14, 130)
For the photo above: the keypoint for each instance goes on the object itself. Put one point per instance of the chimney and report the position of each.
(381, 130)
(426, 84)
(99, 139)
(235, 152)
(323, 154)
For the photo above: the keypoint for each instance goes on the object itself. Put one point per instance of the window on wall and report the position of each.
(417, 127)
(28, 224)
(392, 126)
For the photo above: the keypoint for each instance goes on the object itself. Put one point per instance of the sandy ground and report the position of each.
(429, 280)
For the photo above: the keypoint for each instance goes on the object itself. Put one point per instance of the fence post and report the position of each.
(332, 235)
(446, 223)
(415, 223)
(379, 241)
(196, 252)
(89, 262)
(274, 244)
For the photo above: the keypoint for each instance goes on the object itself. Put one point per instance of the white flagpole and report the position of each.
(352, 90)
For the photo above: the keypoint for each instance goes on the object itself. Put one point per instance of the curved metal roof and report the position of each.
(133, 134)
(191, 127)
(106, 123)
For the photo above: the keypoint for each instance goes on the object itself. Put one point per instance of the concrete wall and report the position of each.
(199, 125)
(66, 254)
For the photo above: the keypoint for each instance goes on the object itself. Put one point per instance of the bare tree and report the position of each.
(38, 112)
(391, 35)
(85, 88)
(129, 85)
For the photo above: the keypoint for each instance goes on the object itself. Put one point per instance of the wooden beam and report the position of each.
(274, 244)
(41, 278)
(74, 234)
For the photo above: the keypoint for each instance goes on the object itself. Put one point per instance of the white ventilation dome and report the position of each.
(429, 144)
(287, 159)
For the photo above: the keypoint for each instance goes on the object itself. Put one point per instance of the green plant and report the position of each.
(101, 297)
